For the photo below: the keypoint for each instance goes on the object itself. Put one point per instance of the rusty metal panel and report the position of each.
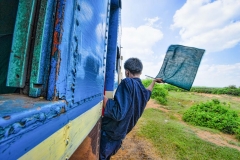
(42, 48)
(26, 123)
(56, 53)
(21, 43)
(89, 148)
(79, 48)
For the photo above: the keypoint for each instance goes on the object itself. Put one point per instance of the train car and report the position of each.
(57, 60)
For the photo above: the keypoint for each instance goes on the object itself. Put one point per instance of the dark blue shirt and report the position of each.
(122, 113)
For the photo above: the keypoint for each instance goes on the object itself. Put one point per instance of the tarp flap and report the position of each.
(180, 66)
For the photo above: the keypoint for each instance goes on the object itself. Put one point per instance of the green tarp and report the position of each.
(180, 66)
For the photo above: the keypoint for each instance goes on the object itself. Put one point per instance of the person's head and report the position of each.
(133, 66)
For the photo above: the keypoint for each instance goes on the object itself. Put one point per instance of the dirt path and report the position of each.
(135, 148)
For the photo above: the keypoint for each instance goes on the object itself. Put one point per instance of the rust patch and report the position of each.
(89, 148)
(55, 34)
(55, 40)
(84, 151)
(63, 110)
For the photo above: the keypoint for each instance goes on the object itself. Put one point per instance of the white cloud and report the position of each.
(151, 68)
(138, 42)
(153, 22)
(218, 75)
(140, 38)
(212, 25)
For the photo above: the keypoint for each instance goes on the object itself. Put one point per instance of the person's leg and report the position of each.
(108, 147)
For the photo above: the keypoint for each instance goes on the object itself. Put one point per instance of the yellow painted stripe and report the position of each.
(63, 143)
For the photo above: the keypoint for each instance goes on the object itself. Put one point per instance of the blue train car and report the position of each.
(57, 59)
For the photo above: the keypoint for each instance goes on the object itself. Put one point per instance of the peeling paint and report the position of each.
(75, 84)
(31, 119)
(6, 117)
(21, 44)
(55, 59)
(42, 48)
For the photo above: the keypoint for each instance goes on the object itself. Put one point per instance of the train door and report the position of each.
(113, 58)
(54, 56)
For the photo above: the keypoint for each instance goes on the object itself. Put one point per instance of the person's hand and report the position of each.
(158, 80)
(105, 99)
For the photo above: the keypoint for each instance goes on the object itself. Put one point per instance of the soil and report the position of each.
(135, 148)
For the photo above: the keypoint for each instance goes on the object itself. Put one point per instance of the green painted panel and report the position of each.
(42, 48)
(21, 43)
(8, 11)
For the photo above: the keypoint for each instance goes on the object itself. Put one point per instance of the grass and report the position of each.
(174, 140)
(234, 143)
(181, 101)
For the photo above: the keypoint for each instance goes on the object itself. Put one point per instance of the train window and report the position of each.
(25, 50)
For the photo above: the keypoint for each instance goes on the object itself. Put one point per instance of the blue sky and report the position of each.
(150, 26)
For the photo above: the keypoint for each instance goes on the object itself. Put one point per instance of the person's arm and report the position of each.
(158, 80)
(105, 99)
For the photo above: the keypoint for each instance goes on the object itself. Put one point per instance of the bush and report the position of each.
(214, 114)
(231, 90)
(170, 87)
(159, 93)
(237, 132)
(232, 87)
(146, 82)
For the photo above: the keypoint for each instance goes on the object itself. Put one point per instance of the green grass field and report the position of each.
(181, 101)
(175, 140)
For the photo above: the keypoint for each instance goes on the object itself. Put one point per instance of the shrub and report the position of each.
(232, 87)
(231, 90)
(173, 88)
(159, 93)
(214, 114)
(237, 132)
(146, 82)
